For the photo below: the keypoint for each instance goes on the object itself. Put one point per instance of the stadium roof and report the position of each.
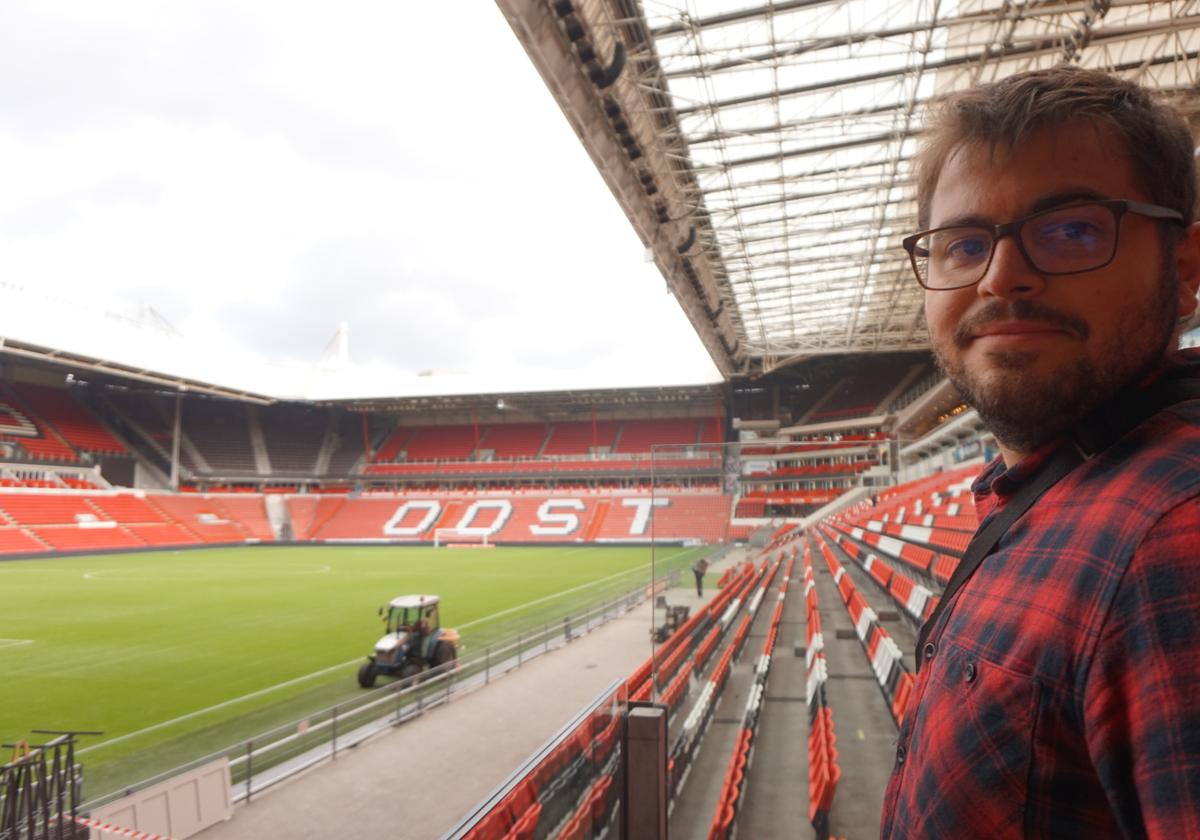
(73, 362)
(547, 405)
(762, 150)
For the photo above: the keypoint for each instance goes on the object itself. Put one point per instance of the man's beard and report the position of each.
(1025, 411)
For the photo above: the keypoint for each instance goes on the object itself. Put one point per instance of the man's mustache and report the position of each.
(1018, 310)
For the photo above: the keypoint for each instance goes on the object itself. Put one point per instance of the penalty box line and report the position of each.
(269, 689)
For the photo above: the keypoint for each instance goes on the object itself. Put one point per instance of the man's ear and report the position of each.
(1187, 265)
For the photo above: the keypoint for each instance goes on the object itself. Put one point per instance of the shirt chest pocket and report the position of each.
(979, 722)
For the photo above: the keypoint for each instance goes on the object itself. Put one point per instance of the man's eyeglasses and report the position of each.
(1063, 240)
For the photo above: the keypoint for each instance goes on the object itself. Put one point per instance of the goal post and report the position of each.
(461, 538)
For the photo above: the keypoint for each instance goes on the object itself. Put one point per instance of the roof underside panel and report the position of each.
(792, 125)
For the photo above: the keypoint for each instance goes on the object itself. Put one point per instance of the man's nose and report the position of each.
(1010, 274)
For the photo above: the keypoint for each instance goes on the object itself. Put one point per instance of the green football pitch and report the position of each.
(200, 649)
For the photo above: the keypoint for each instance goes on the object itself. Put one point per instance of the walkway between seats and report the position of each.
(866, 735)
(773, 797)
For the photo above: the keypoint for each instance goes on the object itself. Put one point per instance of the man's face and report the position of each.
(1035, 353)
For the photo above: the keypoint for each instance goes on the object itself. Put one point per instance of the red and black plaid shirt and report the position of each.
(1060, 696)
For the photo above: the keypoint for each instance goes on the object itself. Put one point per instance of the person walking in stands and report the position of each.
(1058, 682)
(699, 568)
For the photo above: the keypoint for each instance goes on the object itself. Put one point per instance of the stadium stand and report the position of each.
(202, 517)
(21, 427)
(917, 601)
(927, 377)
(642, 435)
(536, 516)
(855, 396)
(75, 538)
(70, 419)
(127, 509)
(302, 511)
(221, 434)
(35, 521)
(142, 421)
(53, 477)
(293, 435)
(750, 508)
(823, 770)
(736, 776)
(515, 440)
(249, 512)
(440, 443)
(396, 441)
(580, 438)
(842, 390)
(20, 541)
(887, 661)
(347, 444)
(47, 509)
(169, 534)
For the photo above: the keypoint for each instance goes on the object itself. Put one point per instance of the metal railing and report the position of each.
(40, 789)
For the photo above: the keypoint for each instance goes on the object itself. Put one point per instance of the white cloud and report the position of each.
(260, 173)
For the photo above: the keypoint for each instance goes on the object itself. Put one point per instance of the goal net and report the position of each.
(461, 538)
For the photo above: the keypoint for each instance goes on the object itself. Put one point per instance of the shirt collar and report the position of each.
(997, 483)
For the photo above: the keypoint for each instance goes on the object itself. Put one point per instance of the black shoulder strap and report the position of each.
(1092, 436)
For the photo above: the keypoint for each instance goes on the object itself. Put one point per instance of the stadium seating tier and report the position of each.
(70, 419)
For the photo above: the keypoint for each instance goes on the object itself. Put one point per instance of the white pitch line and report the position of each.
(317, 570)
(9, 643)
(323, 671)
(214, 708)
(563, 592)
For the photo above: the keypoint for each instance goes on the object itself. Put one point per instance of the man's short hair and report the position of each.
(1005, 113)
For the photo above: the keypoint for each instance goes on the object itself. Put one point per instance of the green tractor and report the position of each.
(414, 641)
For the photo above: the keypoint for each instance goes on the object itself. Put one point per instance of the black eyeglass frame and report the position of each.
(1118, 206)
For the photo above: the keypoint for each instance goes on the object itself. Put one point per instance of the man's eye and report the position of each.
(966, 248)
(1081, 232)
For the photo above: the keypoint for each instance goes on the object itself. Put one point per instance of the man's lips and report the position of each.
(1018, 323)
(1018, 330)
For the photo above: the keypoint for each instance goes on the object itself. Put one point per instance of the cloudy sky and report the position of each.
(259, 173)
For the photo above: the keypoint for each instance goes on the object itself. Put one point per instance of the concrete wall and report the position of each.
(179, 807)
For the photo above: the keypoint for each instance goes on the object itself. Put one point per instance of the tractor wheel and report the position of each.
(366, 675)
(443, 652)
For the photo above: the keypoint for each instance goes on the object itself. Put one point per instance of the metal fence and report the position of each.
(40, 789)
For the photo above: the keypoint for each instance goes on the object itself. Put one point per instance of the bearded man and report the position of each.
(1058, 692)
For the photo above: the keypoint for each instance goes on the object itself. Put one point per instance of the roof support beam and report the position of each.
(855, 143)
(727, 18)
(1046, 45)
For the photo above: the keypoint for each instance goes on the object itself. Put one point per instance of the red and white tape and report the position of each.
(119, 831)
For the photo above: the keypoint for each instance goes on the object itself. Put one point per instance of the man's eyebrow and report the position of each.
(1065, 197)
(1046, 202)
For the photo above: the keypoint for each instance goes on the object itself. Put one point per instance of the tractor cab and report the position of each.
(416, 614)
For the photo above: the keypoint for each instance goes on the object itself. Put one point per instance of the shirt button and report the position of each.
(928, 651)
(900, 755)
(969, 673)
